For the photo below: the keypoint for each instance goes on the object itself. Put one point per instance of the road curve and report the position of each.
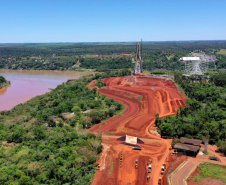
(143, 97)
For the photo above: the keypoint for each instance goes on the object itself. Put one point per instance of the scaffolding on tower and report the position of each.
(138, 63)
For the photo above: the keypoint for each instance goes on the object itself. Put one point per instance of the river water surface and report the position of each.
(28, 84)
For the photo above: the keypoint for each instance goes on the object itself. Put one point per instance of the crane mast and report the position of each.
(138, 63)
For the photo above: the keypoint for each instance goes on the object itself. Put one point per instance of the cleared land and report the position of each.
(222, 52)
(143, 97)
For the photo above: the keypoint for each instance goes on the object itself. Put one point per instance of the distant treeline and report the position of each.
(162, 56)
(69, 49)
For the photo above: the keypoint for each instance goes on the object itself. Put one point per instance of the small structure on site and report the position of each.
(130, 140)
(188, 146)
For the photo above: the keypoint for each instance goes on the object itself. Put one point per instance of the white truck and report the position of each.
(149, 168)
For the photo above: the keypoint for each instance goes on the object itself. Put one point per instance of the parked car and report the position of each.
(136, 148)
(214, 158)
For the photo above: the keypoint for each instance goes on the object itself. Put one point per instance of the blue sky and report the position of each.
(111, 20)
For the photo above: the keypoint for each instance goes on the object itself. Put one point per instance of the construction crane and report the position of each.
(138, 63)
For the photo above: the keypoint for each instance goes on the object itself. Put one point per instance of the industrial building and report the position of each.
(188, 146)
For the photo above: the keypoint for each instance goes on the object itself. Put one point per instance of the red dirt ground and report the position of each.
(143, 97)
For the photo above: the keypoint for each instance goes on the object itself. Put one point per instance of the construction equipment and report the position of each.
(136, 148)
(149, 168)
(164, 164)
(138, 63)
(148, 178)
(136, 165)
(121, 157)
(162, 170)
(163, 167)
(149, 161)
(121, 160)
(160, 181)
(214, 158)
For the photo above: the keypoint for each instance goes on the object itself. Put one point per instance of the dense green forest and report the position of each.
(79, 56)
(204, 114)
(70, 49)
(3, 82)
(106, 64)
(46, 141)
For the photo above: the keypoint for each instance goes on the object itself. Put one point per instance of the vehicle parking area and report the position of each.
(124, 165)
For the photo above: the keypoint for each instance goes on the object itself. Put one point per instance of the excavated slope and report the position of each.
(143, 97)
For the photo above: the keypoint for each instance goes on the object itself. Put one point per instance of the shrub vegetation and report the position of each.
(40, 144)
(204, 114)
(211, 170)
(3, 82)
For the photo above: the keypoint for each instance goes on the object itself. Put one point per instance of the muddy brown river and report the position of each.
(28, 84)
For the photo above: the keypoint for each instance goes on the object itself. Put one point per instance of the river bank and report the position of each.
(82, 73)
(4, 89)
(3, 82)
(26, 84)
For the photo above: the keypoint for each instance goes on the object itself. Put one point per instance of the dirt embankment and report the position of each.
(4, 89)
(143, 97)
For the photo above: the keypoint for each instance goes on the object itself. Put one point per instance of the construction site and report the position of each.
(133, 151)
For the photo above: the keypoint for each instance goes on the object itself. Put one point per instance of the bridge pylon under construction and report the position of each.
(138, 63)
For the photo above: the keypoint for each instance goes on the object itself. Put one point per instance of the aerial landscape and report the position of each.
(113, 92)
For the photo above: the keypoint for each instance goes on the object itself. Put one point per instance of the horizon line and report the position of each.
(105, 41)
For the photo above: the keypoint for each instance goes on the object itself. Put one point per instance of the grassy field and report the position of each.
(222, 52)
(212, 171)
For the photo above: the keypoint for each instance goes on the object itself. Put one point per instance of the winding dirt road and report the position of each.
(143, 97)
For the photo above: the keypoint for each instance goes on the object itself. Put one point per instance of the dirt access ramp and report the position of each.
(143, 97)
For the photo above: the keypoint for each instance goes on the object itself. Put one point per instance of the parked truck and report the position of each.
(149, 168)
(160, 181)
(162, 170)
(163, 167)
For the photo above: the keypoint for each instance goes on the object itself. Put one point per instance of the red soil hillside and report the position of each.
(143, 97)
